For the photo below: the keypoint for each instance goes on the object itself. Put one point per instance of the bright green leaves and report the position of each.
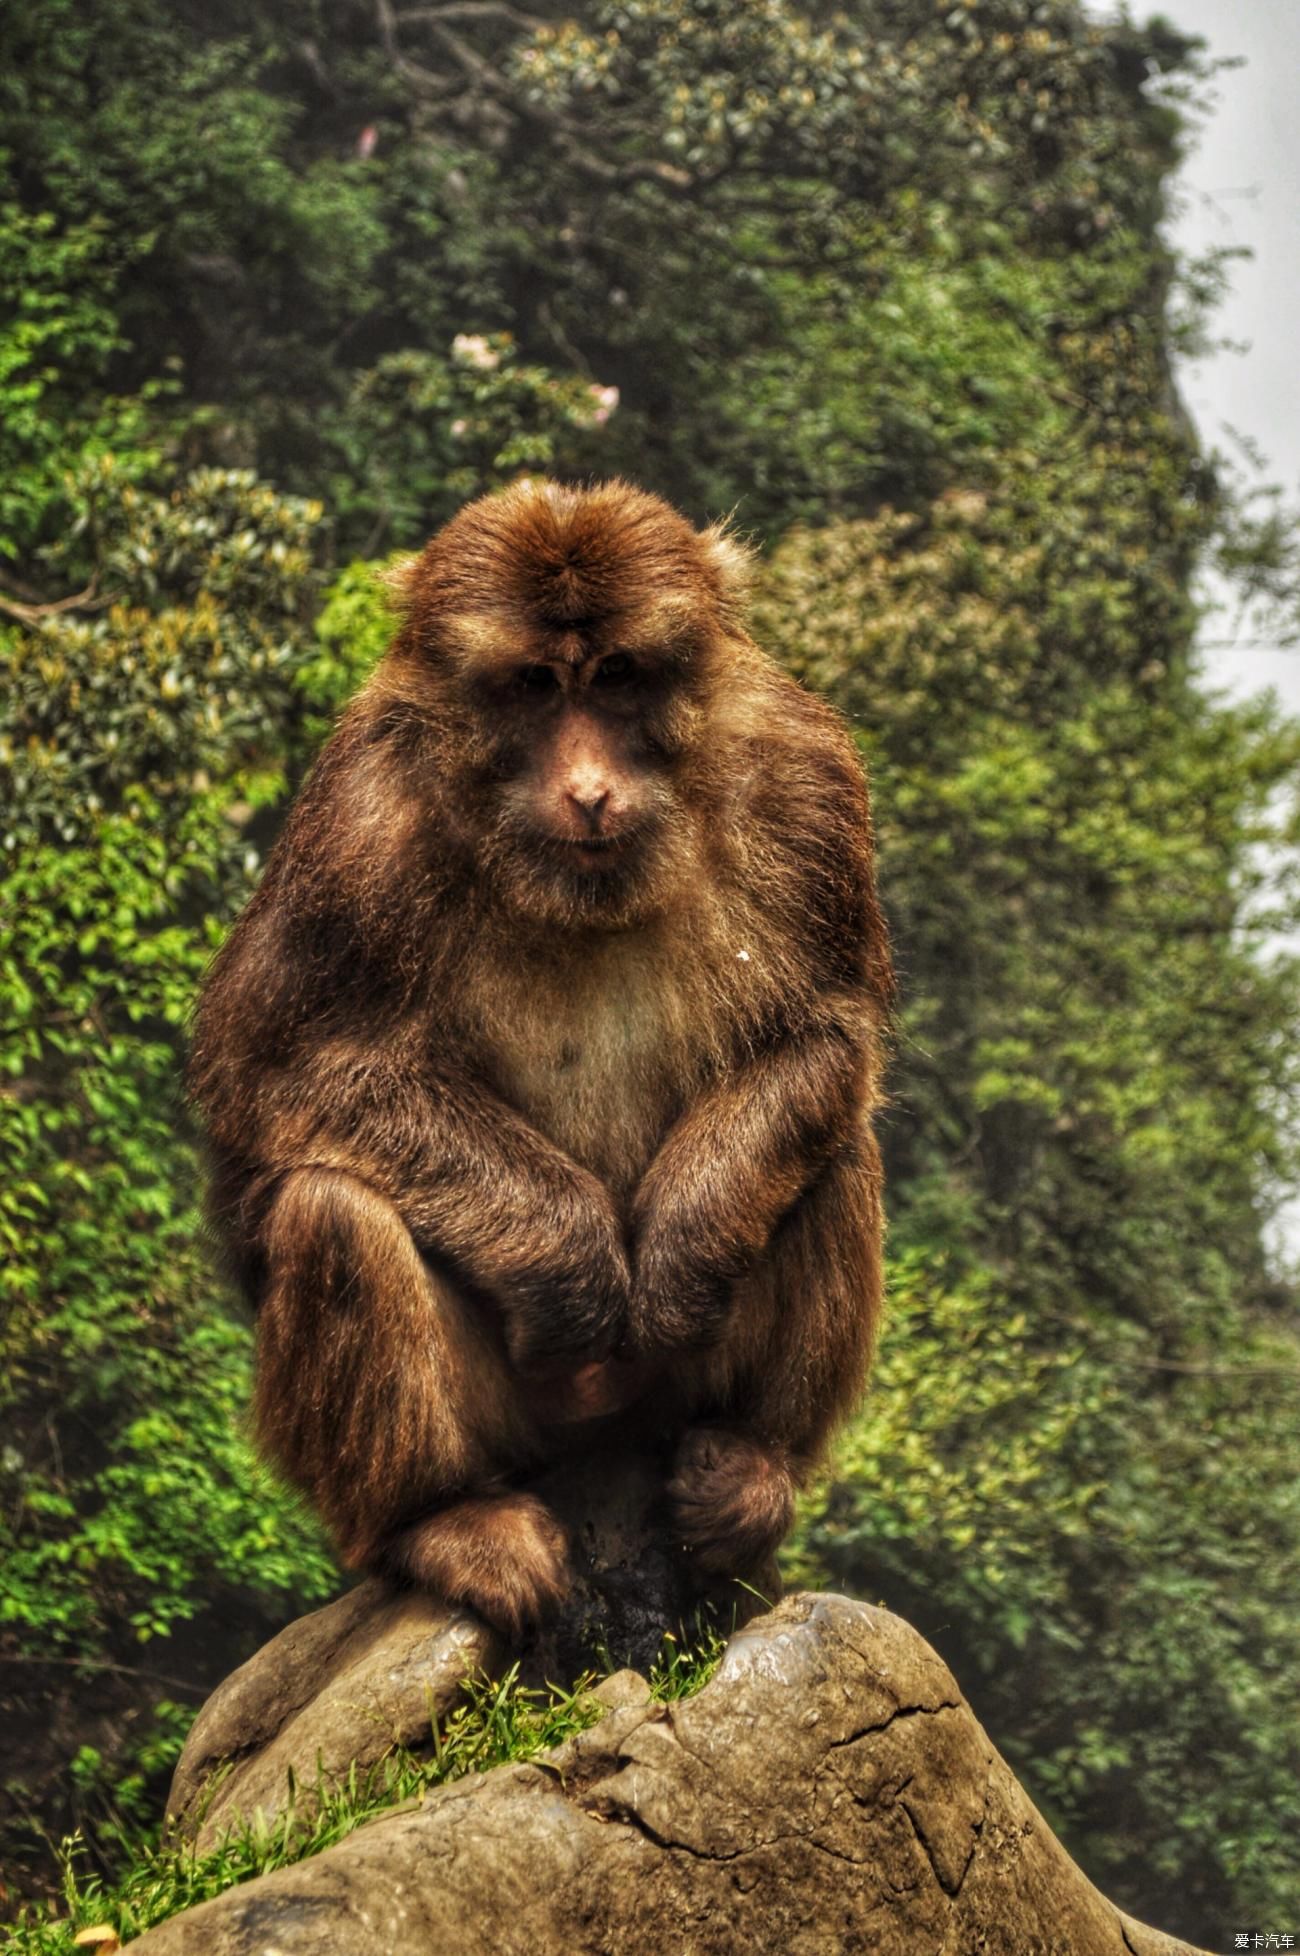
(136, 744)
(58, 332)
(1074, 1469)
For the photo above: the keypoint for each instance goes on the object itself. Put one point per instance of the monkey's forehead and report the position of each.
(541, 557)
(662, 629)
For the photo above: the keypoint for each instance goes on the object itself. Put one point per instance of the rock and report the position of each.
(828, 1792)
(342, 1686)
(623, 1689)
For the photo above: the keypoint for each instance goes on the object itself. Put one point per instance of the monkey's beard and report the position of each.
(595, 885)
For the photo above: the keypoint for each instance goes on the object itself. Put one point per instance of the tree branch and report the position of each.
(31, 614)
(100, 1664)
(468, 10)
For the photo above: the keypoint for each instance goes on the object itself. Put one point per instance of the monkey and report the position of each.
(538, 1075)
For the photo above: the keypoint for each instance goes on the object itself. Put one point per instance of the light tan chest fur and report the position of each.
(602, 1051)
(602, 1056)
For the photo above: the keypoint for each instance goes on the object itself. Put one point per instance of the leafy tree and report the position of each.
(694, 203)
(137, 745)
(1074, 1471)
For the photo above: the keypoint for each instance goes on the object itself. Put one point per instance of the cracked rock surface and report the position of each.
(828, 1791)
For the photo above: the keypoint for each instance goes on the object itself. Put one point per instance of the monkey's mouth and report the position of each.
(609, 857)
(594, 851)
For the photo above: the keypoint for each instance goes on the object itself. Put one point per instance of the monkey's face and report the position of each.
(580, 762)
(571, 642)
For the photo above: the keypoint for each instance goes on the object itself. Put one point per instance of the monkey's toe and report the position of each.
(502, 1555)
(732, 1498)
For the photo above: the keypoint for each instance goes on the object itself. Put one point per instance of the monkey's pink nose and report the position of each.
(589, 793)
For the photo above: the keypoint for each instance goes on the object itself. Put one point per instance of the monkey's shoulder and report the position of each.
(800, 854)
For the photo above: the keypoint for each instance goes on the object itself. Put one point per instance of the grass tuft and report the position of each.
(495, 1723)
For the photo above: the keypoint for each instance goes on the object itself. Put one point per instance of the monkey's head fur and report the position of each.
(569, 645)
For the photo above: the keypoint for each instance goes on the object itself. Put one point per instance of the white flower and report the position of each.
(605, 400)
(459, 429)
(472, 350)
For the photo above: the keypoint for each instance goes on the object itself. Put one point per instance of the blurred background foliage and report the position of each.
(279, 287)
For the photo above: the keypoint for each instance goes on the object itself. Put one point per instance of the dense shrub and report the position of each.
(137, 745)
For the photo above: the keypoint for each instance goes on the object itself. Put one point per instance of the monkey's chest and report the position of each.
(602, 1071)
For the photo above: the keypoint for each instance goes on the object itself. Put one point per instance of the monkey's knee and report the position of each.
(379, 1391)
(732, 1498)
(502, 1555)
(331, 1231)
(342, 1283)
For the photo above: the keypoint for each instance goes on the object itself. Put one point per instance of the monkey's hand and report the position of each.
(681, 1299)
(736, 1162)
(571, 1301)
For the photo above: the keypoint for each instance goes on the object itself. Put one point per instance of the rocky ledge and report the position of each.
(828, 1790)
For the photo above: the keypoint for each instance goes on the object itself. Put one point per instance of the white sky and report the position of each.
(1242, 187)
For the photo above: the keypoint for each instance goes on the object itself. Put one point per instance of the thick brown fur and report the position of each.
(538, 1074)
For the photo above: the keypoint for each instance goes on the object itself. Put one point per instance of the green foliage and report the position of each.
(182, 678)
(58, 331)
(431, 431)
(969, 1415)
(1073, 1471)
(135, 748)
(352, 628)
(693, 204)
(496, 1722)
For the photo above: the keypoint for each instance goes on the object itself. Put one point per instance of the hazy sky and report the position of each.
(1242, 187)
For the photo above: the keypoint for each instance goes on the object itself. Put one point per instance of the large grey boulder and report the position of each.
(828, 1791)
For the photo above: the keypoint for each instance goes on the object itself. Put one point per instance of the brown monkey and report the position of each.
(538, 1072)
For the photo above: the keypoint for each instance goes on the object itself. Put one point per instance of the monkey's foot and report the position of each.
(733, 1498)
(503, 1555)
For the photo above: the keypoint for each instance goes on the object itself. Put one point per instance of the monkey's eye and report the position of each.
(536, 679)
(616, 670)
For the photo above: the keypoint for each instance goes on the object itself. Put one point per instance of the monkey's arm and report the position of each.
(521, 1221)
(475, 1184)
(732, 1166)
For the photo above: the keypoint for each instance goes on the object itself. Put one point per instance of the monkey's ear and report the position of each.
(732, 562)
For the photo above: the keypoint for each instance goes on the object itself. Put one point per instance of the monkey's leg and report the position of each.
(794, 1364)
(387, 1400)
